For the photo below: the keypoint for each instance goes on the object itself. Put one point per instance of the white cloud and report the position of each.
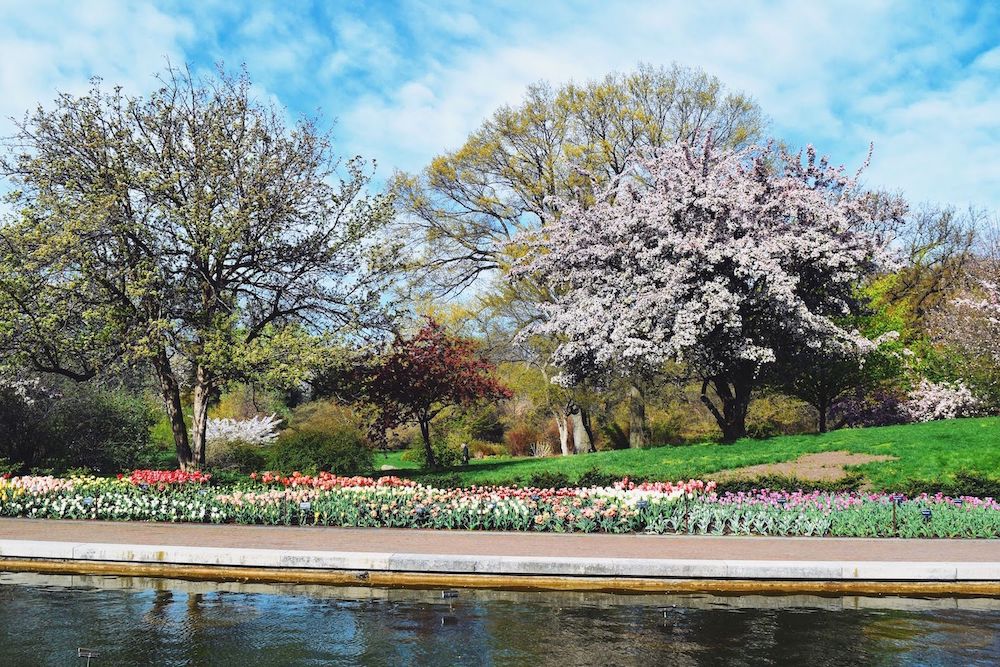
(406, 84)
(839, 75)
(48, 47)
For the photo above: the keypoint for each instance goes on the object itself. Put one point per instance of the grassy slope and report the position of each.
(394, 459)
(931, 451)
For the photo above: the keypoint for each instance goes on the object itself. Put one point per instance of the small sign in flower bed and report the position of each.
(691, 507)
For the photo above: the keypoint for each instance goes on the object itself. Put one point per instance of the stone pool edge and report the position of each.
(390, 569)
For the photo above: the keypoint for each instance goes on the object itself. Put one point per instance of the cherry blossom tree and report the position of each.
(978, 326)
(727, 261)
(422, 375)
(969, 323)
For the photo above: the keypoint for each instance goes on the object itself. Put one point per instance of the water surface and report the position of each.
(44, 619)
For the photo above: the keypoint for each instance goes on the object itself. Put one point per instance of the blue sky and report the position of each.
(406, 80)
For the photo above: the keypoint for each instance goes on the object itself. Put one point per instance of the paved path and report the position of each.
(416, 557)
(481, 543)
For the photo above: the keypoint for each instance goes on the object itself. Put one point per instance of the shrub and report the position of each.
(597, 477)
(475, 422)
(8, 468)
(445, 454)
(444, 481)
(343, 451)
(479, 449)
(850, 482)
(521, 438)
(257, 430)
(72, 425)
(881, 407)
(241, 457)
(550, 438)
(776, 414)
(614, 435)
(930, 401)
(549, 480)
(666, 427)
(964, 484)
(242, 402)
(325, 415)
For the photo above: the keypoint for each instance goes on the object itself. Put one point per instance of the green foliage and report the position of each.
(964, 482)
(614, 435)
(549, 480)
(444, 481)
(243, 457)
(229, 478)
(446, 453)
(666, 427)
(479, 449)
(76, 425)
(242, 401)
(343, 451)
(7, 467)
(325, 415)
(474, 422)
(775, 414)
(597, 477)
(161, 436)
(850, 482)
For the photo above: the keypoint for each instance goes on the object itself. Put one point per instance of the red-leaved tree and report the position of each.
(422, 375)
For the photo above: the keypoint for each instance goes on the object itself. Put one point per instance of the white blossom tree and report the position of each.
(930, 401)
(727, 261)
(258, 430)
(969, 322)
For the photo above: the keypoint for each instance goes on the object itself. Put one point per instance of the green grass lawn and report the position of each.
(394, 459)
(933, 451)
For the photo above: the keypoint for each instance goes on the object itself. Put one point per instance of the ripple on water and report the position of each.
(44, 619)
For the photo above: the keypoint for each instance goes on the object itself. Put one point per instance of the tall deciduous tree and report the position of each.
(825, 374)
(939, 248)
(422, 375)
(467, 207)
(191, 231)
(722, 259)
(970, 322)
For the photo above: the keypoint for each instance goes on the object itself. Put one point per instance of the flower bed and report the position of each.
(690, 507)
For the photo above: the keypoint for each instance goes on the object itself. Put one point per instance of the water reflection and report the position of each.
(43, 619)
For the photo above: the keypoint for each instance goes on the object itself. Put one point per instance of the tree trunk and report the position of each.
(563, 427)
(585, 417)
(732, 418)
(638, 434)
(425, 433)
(199, 418)
(822, 408)
(581, 439)
(171, 394)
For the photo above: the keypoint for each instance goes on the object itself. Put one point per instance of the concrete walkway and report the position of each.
(386, 555)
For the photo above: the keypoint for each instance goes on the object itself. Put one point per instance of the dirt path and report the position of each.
(819, 467)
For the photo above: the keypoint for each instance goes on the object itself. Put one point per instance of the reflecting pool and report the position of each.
(45, 619)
